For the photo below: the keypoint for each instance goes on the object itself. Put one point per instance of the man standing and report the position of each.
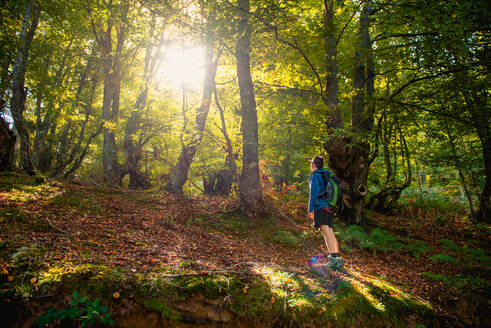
(321, 213)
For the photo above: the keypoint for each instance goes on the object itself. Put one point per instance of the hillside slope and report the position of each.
(152, 259)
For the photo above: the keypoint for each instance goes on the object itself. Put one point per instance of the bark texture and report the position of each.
(17, 103)
(250, 183)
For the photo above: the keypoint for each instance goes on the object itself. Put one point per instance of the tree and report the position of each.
(19, 94)
(250, 184)
(186, 157)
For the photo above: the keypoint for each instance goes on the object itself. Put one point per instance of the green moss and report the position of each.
(256, 302)
(39, 177)
(90, 278)
(286, 238)
(166, 311)
(78, 200)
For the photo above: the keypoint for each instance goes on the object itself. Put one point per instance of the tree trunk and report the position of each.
(458, 166)
(332, 101)
(17, 103)
(250, 183)
(484, 213)
(226, 176)
(45, 138)
(386, 199)
(349, 158)
(477, 103)
(62, 160)
(7, 146)
(132, 147)
(180, 172)
(110, 103)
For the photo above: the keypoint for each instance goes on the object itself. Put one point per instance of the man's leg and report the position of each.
(330, 238)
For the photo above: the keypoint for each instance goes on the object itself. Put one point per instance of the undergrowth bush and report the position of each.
(434, 197)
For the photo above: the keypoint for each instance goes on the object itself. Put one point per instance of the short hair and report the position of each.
(318, 161)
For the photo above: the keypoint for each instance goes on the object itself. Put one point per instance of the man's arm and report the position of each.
(314, 191)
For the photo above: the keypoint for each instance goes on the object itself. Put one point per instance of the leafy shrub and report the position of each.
(444, 258)
(82, 309)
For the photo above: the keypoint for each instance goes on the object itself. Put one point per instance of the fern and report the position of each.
(449, 245)
(384, 240)
(355, 232)
(444, 258)
(417, 247)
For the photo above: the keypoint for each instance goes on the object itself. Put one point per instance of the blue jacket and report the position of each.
(316, 185)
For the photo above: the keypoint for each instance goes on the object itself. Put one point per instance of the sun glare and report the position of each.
(182, 64)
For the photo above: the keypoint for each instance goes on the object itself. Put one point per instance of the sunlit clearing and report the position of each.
(182, 65)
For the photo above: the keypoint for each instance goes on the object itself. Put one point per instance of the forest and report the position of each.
(154, 162)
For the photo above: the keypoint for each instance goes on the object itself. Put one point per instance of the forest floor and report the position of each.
(419, 267)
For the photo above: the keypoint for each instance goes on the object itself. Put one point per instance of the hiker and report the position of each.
(321, 212)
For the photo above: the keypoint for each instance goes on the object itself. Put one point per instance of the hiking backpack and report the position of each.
(332, 193)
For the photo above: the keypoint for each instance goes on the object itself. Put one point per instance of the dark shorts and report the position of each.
(322, 217)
